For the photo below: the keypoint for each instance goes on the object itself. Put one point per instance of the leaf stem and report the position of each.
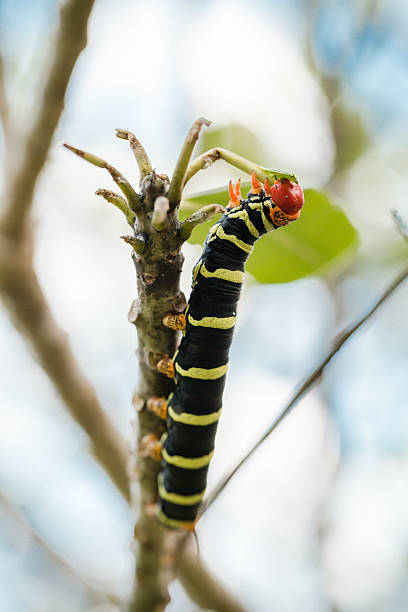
(209, 157)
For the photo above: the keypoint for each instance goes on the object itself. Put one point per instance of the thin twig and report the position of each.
(4, 111)
(177, 181)
(95, 591)
(209, 157)
(145, 167)
(304, 388)
(31, 315)
(72, 38)
(203, 588)
(123, 184)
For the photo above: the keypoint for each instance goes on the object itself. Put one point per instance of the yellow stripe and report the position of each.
(194, 419)
(214, 322)
(211, 234)
(176, 524)
(233, 276)
(243, 215)
(188, 463)
(267, 224)
(203, 373)
(244, 246)
(176, 498)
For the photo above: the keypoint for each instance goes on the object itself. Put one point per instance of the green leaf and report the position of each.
(317, 244)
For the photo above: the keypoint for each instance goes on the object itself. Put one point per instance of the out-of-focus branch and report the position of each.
(401, 224)
(71, 41)
(4, 114)
(30, 313)
(96, 592)
(203, 588)
(19, 286)
(177, 181)
(305, 386)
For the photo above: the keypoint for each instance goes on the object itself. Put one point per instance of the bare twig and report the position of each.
(30, 312)
(95, 591)
(123, 184)
(145, 167)
(305, 387)
(71, 41)
(198, 217)
(209, 157)
(177, 181)
(4, 114)
(119, 202)
(203, 588)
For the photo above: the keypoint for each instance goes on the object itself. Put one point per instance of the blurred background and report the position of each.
(317, 521)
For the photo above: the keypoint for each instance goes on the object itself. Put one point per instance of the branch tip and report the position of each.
(119, 202)
(178, 179)
(136, 242)
(198, 217)
(160, 216)
(140, 155)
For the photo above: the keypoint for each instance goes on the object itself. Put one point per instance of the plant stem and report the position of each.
(72, 38)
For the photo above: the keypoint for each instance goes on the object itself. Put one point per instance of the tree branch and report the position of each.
(305, 387)
(30, 313)
(208, 158)
(71, 41)
(4, 113)
(177, 181)
(145, 167)
(203, 588)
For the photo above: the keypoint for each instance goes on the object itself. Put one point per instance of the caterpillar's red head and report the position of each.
(288, 197)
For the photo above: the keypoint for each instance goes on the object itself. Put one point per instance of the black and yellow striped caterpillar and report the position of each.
(201, 361)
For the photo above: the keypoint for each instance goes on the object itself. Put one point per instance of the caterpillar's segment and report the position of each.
(166, 366)
(175, 321)
(150, 446)
(201, 362)
(157, 405)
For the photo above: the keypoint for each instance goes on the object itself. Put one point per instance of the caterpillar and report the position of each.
(200, 364)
